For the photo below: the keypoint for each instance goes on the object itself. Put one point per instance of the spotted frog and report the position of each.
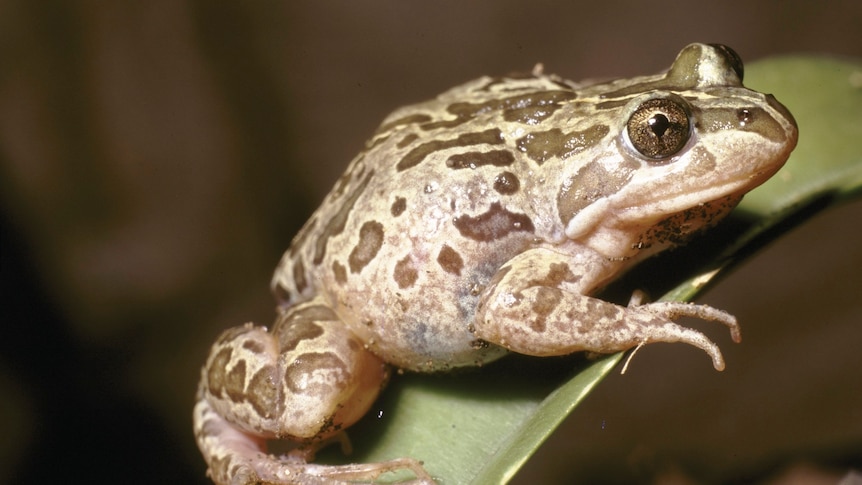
(480, 223)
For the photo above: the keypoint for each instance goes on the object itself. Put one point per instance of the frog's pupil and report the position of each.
(659, 124)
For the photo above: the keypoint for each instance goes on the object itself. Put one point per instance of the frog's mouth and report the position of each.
(680, 198)
(673, 197)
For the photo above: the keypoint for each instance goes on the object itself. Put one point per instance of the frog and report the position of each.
(480, 223)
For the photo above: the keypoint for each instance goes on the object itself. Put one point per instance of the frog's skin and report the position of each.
(479, 223)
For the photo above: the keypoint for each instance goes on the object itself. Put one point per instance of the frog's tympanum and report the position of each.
(476, 224)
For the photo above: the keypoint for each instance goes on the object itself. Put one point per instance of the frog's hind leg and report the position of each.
(239, 458)
(305, 381)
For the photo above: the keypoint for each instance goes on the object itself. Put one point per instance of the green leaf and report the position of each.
(481, 426)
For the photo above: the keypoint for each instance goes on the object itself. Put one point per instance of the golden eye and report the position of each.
(659, 128)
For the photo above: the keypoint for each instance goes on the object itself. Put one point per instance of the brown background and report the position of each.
(155, 159)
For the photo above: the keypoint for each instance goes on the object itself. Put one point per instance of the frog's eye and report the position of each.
(659, 128)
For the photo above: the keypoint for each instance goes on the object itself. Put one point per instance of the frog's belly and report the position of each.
(423, 326)
(428, 343)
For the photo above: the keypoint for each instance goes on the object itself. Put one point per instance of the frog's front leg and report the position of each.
(537, 304)
(306, 381)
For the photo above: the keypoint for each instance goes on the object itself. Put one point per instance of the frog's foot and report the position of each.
(239, 458)
(671, 310)
(672, 332)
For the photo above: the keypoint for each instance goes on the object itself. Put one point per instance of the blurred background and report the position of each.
(157, 157)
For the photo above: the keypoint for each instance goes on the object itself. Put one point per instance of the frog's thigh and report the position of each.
(327, 371)
(308, 378)
(534, 306)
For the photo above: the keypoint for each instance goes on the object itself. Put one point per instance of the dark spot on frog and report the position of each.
(370, 242)
(557, 273)
(450, 260)
(494, 224)
(444, 124)
(405, 274)
(506, 183)
(530, 108)
(531, 116)
(403, 304)
(752, 119)
(375, 142)
(216, 371)
(354, 345)
(234, 382)
(304, 232)
(545, 301)
(336, 225)
(353, 171)
(282, 295)
(407, 140)
(417, 154)
(398, 206)
(340, 272)
(315, 312)
(299, 281)
(262, 392)
(541, 146)
(592, 182)
(497, 158)
(253, 346)
(294, 327)
(316, 373)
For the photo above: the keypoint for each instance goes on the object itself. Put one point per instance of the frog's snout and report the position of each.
(785, 113)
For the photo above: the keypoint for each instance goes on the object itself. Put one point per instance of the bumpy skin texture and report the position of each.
(479, 223)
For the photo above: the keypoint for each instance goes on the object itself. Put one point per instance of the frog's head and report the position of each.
(686, 145)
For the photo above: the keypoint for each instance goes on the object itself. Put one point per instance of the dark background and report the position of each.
(156, 158)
